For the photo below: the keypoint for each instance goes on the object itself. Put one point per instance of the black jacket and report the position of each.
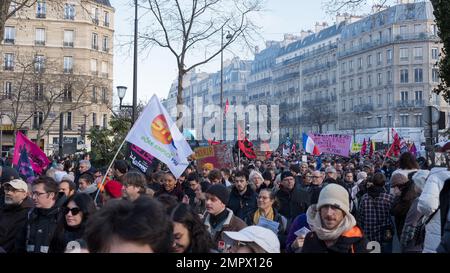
(351, 241)
(444, 199)
(40, 227)
(293, 203)
(63, 236)
(12, 219)
(242, 205)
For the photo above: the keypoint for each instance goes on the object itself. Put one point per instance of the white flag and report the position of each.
(156, 133)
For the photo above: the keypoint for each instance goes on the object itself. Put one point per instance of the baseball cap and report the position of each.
(18, 184)
(263, 237)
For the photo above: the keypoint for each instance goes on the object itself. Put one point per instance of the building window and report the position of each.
(379, 79)
(10, 35)
(105, 43)
(343, 67)
(351, 104)
(404, 76)
(68, 38)
(106, 19)
(38, 118)
(94, 119)
(343, 86)
(104, 95)
(418, 97)
(435, 53)
(39, 63)
(389, 76)
(359, 63)
(7, 91)
(404, 96)
(379, 58)
(360, 84)
(105, 121)
(418, 120)
(67, 93)
(389, 55)
(40, 37)
(94, 15)
(379, 100)
(390, 121)
(434, 29)
(389, 99)
(94, 93)
(379, 121)
(41, 9)
(351, 84)
(369, 80)
(69, 12)
(360, 101)
(369, 61)
(404, 52)
(369, 100)
(343, 106)
(94, 67)
(104, 69)
(94, 44)
(418, 75)
(38, 91)
(404, 120)
(403, 30)
(418, 53)
(435, 75)
(9, 61)
(68, 121)
(350, 65)
(68, 64)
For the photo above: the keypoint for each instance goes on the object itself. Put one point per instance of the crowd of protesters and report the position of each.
(282, 204)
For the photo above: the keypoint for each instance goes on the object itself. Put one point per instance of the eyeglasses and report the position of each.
(11, 189)
(38, 194)
(74, 211)
(315, 176)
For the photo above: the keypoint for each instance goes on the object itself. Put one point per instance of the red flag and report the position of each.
(395, 147)
(293, 148)
(372, 148)
(213, 142)
(37, 157)
(227, 105)
(245, 145)
(363, 148)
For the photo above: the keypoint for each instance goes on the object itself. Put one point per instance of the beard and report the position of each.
(9, 201)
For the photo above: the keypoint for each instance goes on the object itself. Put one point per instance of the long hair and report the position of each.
(200, 238)
(407, 161)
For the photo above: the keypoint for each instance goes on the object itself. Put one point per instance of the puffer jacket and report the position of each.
(428, 203)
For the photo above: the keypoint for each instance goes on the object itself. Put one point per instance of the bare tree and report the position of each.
(318, 113)
(187, 27)
(334, 6)
(42, 91)
(10, 8)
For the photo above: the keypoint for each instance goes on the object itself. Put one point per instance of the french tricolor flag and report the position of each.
(309, 145)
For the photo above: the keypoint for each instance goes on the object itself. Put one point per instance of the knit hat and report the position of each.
(208, 166)
(220, 191)
(286, 174)
(420, 177)
(398, 179)
(113, 188)
(335, 195)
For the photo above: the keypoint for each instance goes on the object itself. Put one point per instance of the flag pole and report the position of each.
(107, 170)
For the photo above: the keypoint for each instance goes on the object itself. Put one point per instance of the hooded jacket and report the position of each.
(12, 219)
(351, 241)
(40, 227)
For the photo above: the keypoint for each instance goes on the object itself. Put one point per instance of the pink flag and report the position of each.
(37, 157)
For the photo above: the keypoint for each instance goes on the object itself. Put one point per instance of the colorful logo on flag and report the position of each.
(160, 130)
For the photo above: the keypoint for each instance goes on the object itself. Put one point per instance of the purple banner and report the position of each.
(333, 144)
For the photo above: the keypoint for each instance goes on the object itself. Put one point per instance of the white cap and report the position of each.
(263, 237)
(18, 184)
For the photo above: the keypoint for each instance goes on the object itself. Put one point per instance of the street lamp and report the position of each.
(228, 37)
(121, 90)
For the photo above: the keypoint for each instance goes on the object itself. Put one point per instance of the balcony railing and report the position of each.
(95, 21)
(40, 15)
(318, 67)
(68, 44)
(106, 24)
(9, 68)
(68, 70)
(362, 108)
(69, 17)
(94, 73)
(39, 43)
(95, 47)
(410, 104)
(10, 41)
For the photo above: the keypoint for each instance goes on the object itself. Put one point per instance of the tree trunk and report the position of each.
(4, 8)
(179, 120)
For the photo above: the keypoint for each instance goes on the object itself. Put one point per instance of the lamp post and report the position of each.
(121, 90)
(133, 119)
(228, 37)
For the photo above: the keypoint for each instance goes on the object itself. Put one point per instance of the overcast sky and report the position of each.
(157, 68)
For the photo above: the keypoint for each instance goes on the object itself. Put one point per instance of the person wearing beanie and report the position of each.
(293, 201)
(113, 190)
(218, 218)
(374, 213)
(333, 228)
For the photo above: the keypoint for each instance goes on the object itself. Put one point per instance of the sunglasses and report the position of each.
(74, 211)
